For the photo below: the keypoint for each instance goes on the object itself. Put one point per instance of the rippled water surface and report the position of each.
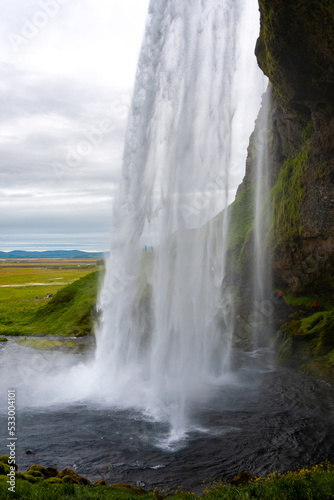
(264, 419)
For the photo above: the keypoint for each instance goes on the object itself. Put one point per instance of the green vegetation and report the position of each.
(287, 195)
(308, 342)
(308, 302)
(70, 310)
(241, 215)
(44, 345)
(40, 483)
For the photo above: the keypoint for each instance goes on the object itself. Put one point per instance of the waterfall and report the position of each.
(263, 307)
(166, 329)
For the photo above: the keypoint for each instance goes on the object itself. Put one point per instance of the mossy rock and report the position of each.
(4, 468)
(100, 482)
(68, 479)
(133, 489)
(31, 479)
(53, 480)
(308, 344)
(287, 196)
(3, 339)
(53, 472)
(38, 471)
(35, 473)
(74, 476)
(320, 368)
(330, 358)
(4, 459)
(19, 475)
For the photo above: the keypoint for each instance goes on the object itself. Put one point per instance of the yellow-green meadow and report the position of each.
(28, 287)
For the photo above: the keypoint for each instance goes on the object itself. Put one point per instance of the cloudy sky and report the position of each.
(67, 71)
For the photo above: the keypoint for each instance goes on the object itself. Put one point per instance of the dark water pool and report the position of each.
(272, 419)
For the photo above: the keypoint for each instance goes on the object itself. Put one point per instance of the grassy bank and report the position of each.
(306, 484)
(25, 308)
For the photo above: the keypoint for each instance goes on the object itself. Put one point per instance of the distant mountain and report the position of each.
(51, 254)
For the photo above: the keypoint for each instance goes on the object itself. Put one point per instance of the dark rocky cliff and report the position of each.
(295, 50)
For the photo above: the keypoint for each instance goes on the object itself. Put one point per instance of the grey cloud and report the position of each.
(28, 154)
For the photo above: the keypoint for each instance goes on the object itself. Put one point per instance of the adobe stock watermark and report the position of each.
(30, 28)
(12, 439)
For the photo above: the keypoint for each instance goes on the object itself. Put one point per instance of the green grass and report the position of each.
(69, 311)
(305, 484)
(44, 491)
(19, 285)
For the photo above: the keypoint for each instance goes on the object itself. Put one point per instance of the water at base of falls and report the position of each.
(265, 419)
(166, 332)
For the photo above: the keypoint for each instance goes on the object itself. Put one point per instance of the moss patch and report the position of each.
(241, 216)
(287, 195)
(44, 345)
(309, 345)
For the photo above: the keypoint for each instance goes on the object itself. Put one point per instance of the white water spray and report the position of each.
(263, 308)
(165, 337)
(167, 321)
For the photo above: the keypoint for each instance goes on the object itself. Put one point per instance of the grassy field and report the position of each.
(24, 286)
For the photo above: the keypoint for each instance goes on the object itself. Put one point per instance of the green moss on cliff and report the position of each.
(241, 215)
(307, 302)
(309, 345)
(287, 195)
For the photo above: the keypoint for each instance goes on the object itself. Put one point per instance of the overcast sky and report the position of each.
(67, 72)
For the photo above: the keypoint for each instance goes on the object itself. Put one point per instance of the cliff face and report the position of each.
(295, 50)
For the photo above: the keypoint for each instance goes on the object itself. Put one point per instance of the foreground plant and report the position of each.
(314, 483)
